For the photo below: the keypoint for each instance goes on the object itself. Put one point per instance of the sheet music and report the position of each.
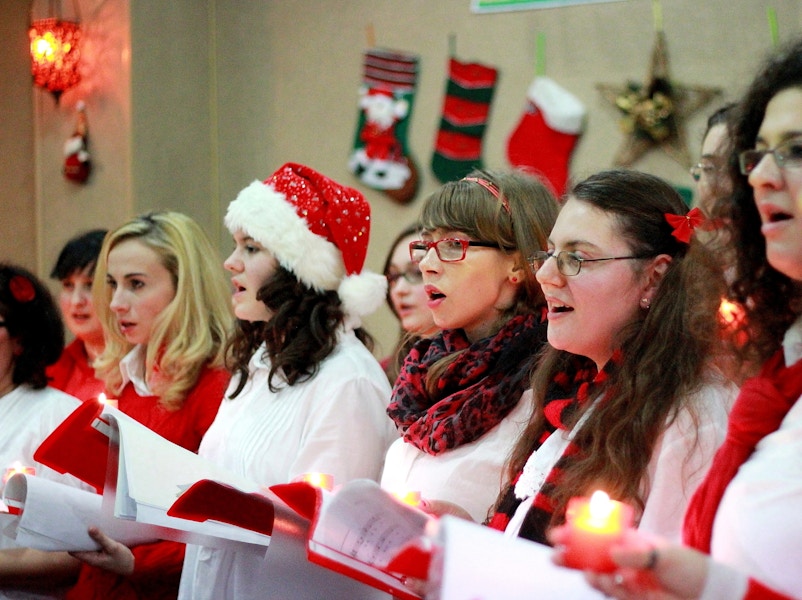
(366, 523)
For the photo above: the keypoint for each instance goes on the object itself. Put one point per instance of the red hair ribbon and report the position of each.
(685, 224)
(21, 288)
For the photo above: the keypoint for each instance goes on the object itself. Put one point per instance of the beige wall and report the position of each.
(189, 100)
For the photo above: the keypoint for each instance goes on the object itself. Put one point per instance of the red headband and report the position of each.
(490, 187)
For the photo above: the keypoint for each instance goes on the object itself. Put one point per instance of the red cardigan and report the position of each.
(157, 566)
(72, 374)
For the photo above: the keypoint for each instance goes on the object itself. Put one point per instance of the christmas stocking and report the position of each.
(458, 147)
(380, 157)
(547, 133)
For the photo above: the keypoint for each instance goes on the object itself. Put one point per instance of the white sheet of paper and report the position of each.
(362, 521)
(154, 471)
(56, 516)
(479, 563)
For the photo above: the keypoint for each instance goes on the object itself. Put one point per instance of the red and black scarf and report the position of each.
(759, 410)
(475, 392)
(569, 390)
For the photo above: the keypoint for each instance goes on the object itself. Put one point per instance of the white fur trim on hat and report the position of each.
(265, 215)
(362, 294)
(561, 109)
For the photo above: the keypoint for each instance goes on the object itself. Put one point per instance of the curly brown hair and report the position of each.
(300, 333)
(772, 301)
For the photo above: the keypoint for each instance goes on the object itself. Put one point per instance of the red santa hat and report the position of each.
(316, 228)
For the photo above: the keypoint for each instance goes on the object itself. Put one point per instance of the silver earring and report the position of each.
(645, 303)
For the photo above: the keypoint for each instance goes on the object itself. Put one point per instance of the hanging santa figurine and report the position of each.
(76, 156)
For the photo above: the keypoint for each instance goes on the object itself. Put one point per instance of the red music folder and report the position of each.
(78, 447)
(363, 532)
(211, 500)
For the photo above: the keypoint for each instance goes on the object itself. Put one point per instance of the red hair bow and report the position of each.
(21, 288)
(685, 224)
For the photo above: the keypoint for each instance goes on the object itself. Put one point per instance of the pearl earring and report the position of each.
(646, 303)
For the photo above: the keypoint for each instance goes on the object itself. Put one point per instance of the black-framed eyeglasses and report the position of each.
(411, 275)
(447, 249)
(787, 154)
(569, 263)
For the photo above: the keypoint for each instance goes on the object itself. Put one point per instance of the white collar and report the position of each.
(132, 368)
(792, 343)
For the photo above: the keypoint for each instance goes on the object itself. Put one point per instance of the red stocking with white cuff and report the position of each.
(548, 131)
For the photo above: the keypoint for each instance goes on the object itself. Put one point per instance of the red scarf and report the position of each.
(758, 411)
(475, 392)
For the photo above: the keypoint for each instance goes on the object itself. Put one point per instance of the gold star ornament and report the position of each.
(653, 114)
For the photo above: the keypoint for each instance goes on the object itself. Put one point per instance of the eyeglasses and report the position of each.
(411, 275)
(568, 263)
(448, 249)
(788, 155)
(705, 169)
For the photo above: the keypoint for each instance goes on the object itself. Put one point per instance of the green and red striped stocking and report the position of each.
(458, 147)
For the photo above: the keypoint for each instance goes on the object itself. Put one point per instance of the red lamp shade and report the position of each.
(55, 53)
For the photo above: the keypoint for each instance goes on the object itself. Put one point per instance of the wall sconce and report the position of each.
(55, 52)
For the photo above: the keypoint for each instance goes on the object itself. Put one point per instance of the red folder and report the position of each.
(208, 500)
(411, 560)
(77, 447)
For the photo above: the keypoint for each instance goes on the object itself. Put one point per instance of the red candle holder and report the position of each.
(594, 525)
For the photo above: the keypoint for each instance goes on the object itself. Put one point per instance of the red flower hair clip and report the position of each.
(21, 288)
(685, 224)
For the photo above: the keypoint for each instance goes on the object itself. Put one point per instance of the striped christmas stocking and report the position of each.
(380, 157)
(458, 147)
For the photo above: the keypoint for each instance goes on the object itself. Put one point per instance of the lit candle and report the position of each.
(411, 497)
(594, 525)
(17, 468)
(320, 480)
(107, 401)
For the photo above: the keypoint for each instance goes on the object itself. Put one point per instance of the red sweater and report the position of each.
(157, 566)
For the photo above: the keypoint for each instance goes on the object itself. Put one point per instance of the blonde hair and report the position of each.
(192, 330)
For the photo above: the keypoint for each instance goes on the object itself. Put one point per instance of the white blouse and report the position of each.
(469, 476)
(335, 423)
(28, 417)
(679, 461)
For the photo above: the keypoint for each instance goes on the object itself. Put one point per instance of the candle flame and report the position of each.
(320, 480)
(411, 497)
(730, 312)
(17, 467)
(600, 508)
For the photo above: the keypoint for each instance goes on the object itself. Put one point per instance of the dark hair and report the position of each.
(406, 339)
(406, 232)
(78, 253)
(665, 351)
(300, 333)
(770, 298)
(33, 320)
(720, 116)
